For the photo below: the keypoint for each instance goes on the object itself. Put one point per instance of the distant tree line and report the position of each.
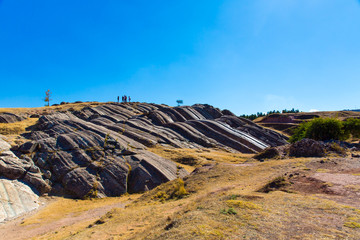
(261, 114)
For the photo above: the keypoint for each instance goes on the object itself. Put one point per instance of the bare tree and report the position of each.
(47, 97)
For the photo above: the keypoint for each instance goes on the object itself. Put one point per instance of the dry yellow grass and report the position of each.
(61, 207)
(16, 128)
(39, 110)
(191, 158)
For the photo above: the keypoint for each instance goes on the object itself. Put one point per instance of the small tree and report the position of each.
(47, 97)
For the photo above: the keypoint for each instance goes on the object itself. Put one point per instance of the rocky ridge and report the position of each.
(101, 151)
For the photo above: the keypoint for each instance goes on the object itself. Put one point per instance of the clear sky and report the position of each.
(243, 55)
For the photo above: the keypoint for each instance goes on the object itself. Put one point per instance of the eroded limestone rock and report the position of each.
(101, 151)
(16, 198)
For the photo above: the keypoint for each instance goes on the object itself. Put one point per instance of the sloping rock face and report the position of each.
(16, 177)
(24, 169)
(9, 118)
(16, 198)
(101, 151)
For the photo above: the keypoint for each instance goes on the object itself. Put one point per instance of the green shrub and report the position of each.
(299, 132)
(352, 126)
(320, 129)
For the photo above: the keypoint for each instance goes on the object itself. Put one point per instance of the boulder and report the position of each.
(307, 148)
(29, 147)
(269, 153)
(79, 183)
(11, 167)
(150, 170)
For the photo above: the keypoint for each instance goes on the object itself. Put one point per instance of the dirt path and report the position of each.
(15, 231)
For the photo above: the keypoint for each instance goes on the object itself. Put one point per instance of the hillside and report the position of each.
(100, 150)
(148, 171)
(286, 122)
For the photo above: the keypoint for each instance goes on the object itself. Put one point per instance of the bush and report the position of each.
(179, 189)
(352, 126)
(174, 191)
(320, 129)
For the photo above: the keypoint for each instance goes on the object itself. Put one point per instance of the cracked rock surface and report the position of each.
(16, 177)
(101, 151)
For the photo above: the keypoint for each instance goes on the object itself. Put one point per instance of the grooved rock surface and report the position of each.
(16, 198)
(12, 167)
(9, 118)
(101, 151)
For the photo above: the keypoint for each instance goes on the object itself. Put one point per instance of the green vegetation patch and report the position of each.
(323, 129)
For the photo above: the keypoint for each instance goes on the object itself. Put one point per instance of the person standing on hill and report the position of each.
(129, 99)
(118, 99)
(125, 98)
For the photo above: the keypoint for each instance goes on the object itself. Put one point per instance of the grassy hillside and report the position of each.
(286, 122)
(42, 110)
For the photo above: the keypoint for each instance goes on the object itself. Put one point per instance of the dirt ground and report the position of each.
(337, 179)
(16, 230)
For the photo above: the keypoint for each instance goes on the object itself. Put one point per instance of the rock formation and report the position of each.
(9, 118)
(16, 197)
(307, 148)
(101, 151)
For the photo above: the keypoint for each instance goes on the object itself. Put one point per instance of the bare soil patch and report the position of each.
(335, 179)
(17, 230)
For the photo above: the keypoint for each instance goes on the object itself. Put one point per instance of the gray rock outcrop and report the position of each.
(23, 169)
(307, 148)
(18, 180)
(101, 151)
(10, 118)
(16, 198)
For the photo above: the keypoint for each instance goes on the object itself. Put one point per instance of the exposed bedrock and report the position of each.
(19, 179)
(101, 151)
(10, 118)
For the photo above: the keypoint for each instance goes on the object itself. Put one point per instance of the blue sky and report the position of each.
(243, 55)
